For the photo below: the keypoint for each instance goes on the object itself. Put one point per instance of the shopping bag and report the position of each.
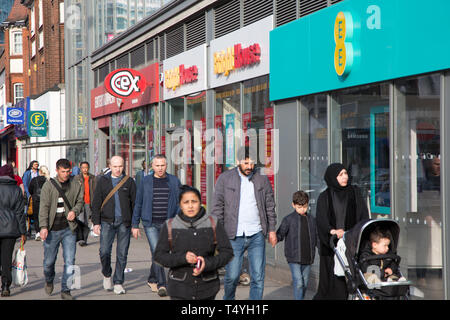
(30, 207)
(19, 267)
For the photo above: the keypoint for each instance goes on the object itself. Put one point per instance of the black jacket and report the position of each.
(326, 219)
(197, 237)
(290, 230)
(367, 258)
(12, 215)
(127, 196)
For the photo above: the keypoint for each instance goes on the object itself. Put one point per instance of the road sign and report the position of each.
(37, 124)
(15, 116)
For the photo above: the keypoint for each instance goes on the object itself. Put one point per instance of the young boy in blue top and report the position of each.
(299, 231)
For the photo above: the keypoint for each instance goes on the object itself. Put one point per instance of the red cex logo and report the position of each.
(125, 83)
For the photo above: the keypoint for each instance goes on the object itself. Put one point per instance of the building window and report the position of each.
(33, 21)
(16, 48)
(18, 92)
(41, 14)
(41, 39)
(33, 48)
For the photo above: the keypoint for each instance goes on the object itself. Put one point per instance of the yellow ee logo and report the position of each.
(37, 119)
(343, 35)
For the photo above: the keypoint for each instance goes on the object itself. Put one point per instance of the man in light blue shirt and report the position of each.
(244, 202)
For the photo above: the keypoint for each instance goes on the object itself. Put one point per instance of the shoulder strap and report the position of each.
(213, 226)
(62, 194)
(114, 190)
(169, 232)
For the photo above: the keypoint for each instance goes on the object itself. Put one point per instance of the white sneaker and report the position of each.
(94, 234)
(37, 237)
(107, 284)
(118, 289)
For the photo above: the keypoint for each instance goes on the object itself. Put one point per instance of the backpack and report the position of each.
(169, 231)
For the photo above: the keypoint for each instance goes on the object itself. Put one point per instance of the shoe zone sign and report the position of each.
(15, 115)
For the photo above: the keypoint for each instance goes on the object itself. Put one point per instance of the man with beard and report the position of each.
(244, 202)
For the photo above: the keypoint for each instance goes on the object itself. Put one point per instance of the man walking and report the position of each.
(89, 182)
(31, 172)
(244, 202)
(57, 223)
(156, 201)
(112, 209)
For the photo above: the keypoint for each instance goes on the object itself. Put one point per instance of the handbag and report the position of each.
(82, 229)
(19, 267)
(30, 206)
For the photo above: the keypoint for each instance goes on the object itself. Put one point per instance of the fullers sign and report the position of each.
(125, 83)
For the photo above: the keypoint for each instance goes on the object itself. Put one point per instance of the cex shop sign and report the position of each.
(125, 83)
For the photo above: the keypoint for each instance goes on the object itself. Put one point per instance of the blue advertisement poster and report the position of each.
(229, 131)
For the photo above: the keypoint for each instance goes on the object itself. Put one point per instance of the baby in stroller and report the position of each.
(376, 260)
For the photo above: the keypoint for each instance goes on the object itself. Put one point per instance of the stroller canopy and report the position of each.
(359, 235)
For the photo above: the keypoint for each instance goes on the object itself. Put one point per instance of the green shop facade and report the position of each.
(369, 83)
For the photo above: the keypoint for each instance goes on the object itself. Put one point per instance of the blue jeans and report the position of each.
(256, 248)
(157, 274)
(51, 245)
(107, 235)
(300, 276)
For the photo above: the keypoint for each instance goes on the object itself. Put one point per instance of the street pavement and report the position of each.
(91, 284)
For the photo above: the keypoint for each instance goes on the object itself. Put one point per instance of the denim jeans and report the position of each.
(51, 245)
(157, 274)
(256, 249)
(300, 276)
(107, 234)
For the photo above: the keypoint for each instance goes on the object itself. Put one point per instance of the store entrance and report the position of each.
(360, 140)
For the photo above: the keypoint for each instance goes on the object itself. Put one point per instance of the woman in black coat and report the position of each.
(196, 237)
(339, 208)
(12, 223)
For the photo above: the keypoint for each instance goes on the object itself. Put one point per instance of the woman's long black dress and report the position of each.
(337, 208)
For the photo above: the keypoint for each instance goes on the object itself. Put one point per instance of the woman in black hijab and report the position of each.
(339, 208)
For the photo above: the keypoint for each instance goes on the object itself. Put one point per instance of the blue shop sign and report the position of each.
(15, 115)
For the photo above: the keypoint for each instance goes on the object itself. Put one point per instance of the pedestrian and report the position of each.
(31, 172)
(299, 231)
(244, 202)
(156, 201)
(12, 223)
(339, 208)
(17, 177)
(89, 182)
(140, 174)
(112, 210)
(61, 203)
(193, 246)
(35, 189)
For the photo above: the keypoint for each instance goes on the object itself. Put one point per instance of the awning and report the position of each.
(6, 130)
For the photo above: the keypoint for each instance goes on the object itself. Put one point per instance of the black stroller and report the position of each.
(347, 254)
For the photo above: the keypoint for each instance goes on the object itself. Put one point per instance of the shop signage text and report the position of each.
(125, 83)
(343, 52)
(179, 76)
(37, 124)
(235, 57)
(15, 116)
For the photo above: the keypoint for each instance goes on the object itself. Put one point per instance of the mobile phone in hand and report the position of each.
(199, 264)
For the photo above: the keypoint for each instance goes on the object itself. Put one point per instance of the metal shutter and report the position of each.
(137, 57)
(286, 11)
(96, 77)
(151, 50)
(122, 61)
(227, 18)
(175, 41)
(255, 10)
(310, 6)
(334, 1)
(103, 72)
(162, 47)
(196, 32)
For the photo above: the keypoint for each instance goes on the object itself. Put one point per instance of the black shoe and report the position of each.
(162, 292)
(5, 292)
(82, 243)
(49, 288)
(65, 295)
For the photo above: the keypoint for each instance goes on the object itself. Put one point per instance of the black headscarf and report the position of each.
(342, 198)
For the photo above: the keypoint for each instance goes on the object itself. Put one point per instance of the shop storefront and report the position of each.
(353, 84)
(132, 125)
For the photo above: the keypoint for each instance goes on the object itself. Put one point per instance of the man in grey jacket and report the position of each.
(244, 202)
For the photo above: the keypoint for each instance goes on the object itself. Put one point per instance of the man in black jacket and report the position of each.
(114, 218)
